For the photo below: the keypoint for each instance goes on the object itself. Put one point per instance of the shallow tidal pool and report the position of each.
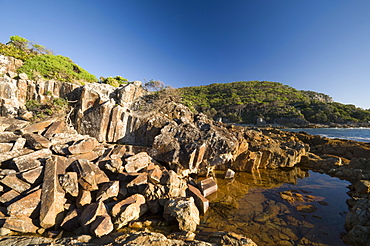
(279, 207)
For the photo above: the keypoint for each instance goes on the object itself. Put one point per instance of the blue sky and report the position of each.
(318, 45)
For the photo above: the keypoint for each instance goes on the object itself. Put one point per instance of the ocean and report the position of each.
(356, 134)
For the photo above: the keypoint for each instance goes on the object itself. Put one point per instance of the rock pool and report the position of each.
(279, 207)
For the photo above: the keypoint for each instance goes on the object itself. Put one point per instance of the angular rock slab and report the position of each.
(102, 226)
(31, 176)
(52, 196)
(128, 210)
(29, 161)
(25, 206)
(36, 141)
(56, 127)
(69, 183)
(201, 202)
(83, 146)
(208, 186)
(70, 222)
(15, 183)
(184, 211)
(137, 162)
(90, 213)
(88, 174)
(20, 224)
(108, 190)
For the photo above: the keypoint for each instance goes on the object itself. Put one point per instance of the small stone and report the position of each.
(208, 186)
(306, 208)
(84, 198)
(229, 174)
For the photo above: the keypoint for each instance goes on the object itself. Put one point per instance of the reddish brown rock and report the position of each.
(14, 154)
(5, 147)
(11, 124)
(10, 197)
(108, 190)
(83, 146)
(229, 174)
(102, 226)
(30, 161)
(138, 184)
(20, 224)
(70, 222)
(208, 186)
(52, 197)
(56, 127)
(32, 175)
(90, 156)
(84, 198)
(129, 209)
(90, 213)
(137, 162)
(36, 141)
(155, 175)
(69, 183)
(25, 206)
(15, 183)
(86, 174)
(38, 127)
(118, 151)
(7, 137)
(19, 144)
(201, 202)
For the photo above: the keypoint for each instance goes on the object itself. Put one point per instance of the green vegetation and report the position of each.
(246, 101)
(39, 61)
(114, 81)
(55, 67)
(53, 107)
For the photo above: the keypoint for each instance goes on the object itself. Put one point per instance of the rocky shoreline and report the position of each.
(119, 156)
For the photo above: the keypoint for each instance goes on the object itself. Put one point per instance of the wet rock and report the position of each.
(102, 226)
(83, 146)
(306, 208)
(358, 235)
(26, 206)
(20, 224)
(128, 210)
(36, 141)
(201, 202)
(362, 186)
(69, 183)
(229, 174)
(208, 186)
(16, 184)
(52, 196)
(137, 162)
(230, 238)
(184, 211)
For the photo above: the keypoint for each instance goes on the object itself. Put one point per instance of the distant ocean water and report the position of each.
(356, 134)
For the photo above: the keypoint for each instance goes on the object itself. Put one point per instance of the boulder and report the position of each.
(108, 190)
(20, 224)
(70, 221)
(137, 162)
(208, 186)
(184, 211)
(102, 226)
(128, 210)
(15, 183)
(36, 141)
(69, 183)
(30, 161)
(201, 202)
(52, 196)
(83, 146)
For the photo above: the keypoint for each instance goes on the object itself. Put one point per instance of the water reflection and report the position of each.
(253, 205)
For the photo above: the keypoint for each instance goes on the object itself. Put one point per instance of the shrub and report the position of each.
(114, 81)
(55, 67)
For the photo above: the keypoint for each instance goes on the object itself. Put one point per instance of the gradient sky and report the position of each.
(318, 45)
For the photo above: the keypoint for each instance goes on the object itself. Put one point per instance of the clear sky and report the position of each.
(318, 45)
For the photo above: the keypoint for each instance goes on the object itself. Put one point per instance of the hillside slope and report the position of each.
(271, 102)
